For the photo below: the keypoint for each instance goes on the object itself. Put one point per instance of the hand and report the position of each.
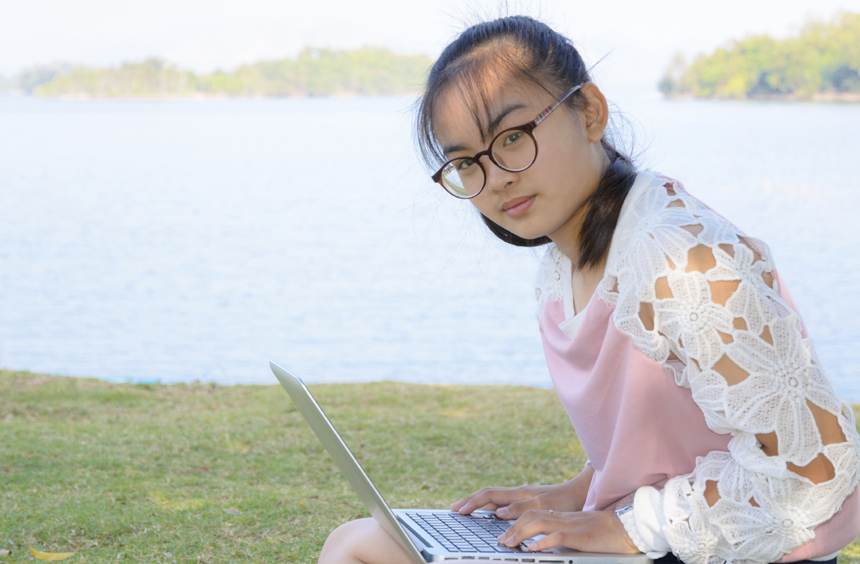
(510, 503)
(502, 500)
(588, 531)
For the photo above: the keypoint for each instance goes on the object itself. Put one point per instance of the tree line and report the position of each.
(369, 71)
(823, 61)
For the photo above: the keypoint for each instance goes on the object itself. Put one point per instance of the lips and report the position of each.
(518, 206)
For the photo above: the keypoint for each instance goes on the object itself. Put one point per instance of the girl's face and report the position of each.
(547, 198)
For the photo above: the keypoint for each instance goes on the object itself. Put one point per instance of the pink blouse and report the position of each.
(662, 428)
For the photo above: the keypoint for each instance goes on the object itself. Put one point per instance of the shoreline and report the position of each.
(198, 97)
(819, 98)
(94, 380)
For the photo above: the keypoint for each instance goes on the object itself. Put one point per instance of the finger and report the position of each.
(458, 504)
(481, 495)
(537, 527)
(478, 502)
(530, 524)
(518, 508)
(491, 498)
(551, 540)
(468, 510)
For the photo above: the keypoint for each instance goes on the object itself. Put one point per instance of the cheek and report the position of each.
(560, 147)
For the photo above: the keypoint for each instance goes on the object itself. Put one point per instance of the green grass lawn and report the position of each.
(158, 473)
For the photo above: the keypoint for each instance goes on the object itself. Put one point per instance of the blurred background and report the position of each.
(189, 189)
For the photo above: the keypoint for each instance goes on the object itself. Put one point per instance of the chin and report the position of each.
(527, 234)
(523, 227)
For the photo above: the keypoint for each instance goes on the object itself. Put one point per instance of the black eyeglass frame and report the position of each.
(526, 128)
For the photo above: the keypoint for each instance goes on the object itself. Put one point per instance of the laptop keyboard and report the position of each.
(462, 533)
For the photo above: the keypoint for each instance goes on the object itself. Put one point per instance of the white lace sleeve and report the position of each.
(689, 286)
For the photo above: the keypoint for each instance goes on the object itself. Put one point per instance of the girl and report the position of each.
(712, 432)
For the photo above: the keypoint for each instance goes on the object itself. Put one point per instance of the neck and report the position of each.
(567, 238)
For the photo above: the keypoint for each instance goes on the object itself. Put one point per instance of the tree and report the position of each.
(369, 71)
(823, 58)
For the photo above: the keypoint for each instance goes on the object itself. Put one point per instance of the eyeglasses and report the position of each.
(513, 150)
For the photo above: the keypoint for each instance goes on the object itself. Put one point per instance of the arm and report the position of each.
(707, 296)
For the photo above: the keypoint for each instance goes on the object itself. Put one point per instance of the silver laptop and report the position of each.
(429, 535)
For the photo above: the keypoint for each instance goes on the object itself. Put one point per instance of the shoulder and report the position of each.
(667, 230)
(674, 257)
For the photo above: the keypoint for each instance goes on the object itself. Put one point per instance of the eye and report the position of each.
(512, 137)
(464, 164)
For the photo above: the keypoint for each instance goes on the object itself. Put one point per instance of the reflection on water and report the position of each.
(177, 241)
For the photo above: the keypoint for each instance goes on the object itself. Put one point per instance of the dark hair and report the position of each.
(526, 49)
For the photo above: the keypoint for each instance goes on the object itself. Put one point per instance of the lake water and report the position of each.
(179, 241)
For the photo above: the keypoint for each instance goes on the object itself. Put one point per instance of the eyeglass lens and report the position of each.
(513, 150)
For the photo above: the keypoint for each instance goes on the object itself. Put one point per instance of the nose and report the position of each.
(497, 178)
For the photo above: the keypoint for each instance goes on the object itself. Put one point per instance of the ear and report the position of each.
(596, 114)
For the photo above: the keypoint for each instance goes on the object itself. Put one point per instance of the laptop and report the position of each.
(430, 535)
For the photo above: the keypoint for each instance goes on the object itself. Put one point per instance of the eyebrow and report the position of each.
(494, 125)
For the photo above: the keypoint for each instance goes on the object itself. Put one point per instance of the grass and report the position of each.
(147, 473)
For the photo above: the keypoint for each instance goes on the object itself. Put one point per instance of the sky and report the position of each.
(637, 37)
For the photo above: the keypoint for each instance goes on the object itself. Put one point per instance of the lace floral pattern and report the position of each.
(688, 285)
(549, 286)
